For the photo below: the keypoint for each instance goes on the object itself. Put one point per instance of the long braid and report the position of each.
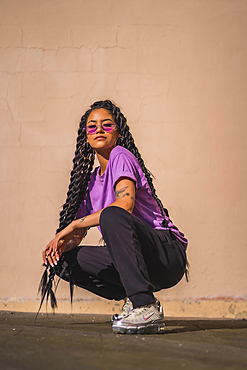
(130, 145)
(80, 175)
(128, 142)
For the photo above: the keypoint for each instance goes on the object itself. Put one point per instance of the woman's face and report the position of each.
(101, 129)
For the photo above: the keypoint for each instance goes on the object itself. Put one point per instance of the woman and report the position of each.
(143, 252)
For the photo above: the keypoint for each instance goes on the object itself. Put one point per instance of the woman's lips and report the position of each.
(100, 138)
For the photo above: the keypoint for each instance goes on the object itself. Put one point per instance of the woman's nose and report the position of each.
(99, 128)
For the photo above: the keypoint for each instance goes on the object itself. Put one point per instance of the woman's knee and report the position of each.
(112, 215)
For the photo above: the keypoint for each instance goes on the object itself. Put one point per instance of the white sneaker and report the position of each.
(127, 307)
(144, 320)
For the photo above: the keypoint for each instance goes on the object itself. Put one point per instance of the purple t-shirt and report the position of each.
(101, 191)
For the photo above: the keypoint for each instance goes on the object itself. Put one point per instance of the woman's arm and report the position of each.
(64, 245)
(124, 198)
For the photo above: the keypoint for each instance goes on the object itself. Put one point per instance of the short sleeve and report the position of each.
(124, 166)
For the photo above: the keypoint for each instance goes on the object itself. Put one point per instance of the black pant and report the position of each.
(135, 262)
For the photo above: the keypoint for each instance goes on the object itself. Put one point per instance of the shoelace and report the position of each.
(139, 310)
(126, 306)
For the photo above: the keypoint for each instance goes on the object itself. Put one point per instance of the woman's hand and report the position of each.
(54, 249)
(52, 255)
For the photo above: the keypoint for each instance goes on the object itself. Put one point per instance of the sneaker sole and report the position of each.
(147, 329)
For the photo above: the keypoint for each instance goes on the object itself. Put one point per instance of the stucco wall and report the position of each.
(178, 71)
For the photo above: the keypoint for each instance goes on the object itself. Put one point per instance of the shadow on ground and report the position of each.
(87, 342)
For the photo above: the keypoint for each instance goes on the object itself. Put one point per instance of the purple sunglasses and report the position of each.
(107, 127)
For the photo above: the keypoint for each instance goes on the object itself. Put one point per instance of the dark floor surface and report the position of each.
(87, 342)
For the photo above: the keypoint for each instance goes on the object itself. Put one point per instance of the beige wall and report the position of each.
(178, 70)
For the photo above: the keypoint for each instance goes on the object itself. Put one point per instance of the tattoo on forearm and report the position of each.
(68, 248)
(121, 193)
(82, 219)
(70, 245)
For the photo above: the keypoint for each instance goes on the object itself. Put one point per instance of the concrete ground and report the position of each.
(87, 342)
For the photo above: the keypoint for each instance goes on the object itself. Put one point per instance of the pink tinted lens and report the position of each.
(107, 127)
(91, 129)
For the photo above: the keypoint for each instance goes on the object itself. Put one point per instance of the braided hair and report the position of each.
(84, 161)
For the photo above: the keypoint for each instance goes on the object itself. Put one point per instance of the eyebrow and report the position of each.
(103, 120)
